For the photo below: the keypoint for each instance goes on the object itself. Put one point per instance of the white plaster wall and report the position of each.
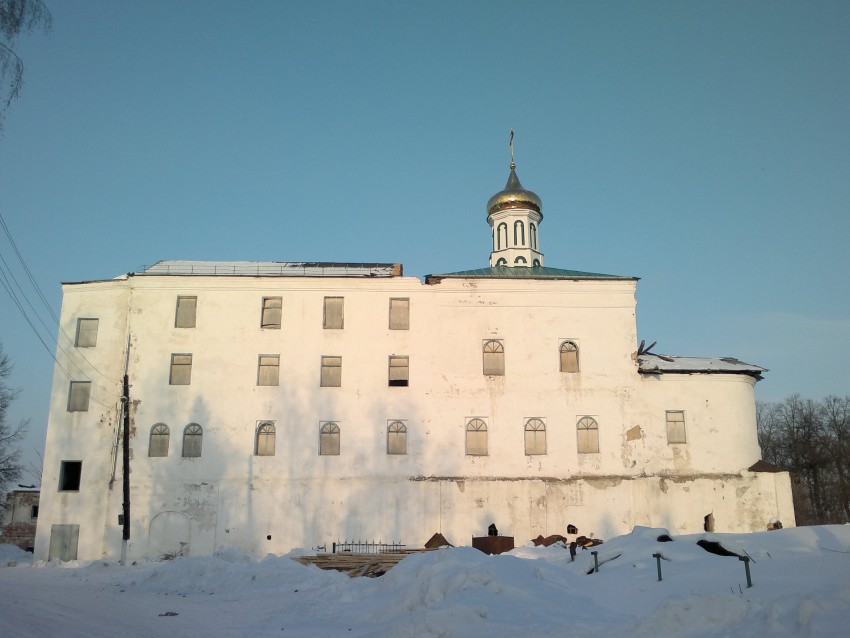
(89, 436)
(233, 497)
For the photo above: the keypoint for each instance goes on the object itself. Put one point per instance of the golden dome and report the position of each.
(514, 196)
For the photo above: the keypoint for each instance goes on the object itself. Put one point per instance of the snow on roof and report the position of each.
(669, 364)
(270, 269)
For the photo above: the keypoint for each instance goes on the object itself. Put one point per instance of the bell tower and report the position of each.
(514, 215)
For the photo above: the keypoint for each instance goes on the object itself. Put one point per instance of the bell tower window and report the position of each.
(502, 236)
(519, 233)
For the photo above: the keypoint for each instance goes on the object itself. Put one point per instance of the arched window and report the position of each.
(476, 437)
(501, 261)
(158, 445)
(501, 236)
(329, 439)
(535, 437)
(519, 233)
(396, 438)
(264, 443)
(193, 438)
(494, 358)
(532, 231)
(569, 356)
(536, 263)
(588, 435)
(520, 260)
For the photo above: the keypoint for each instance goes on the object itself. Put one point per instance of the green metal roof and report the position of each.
(525, 272)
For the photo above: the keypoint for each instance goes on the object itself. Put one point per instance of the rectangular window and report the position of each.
(331, 372)
(676, 426)
(400, 314)
(86, 333)
(78, 396)
(271, 312)
(186, 308)
(69, 476)
(269, 369)
(34, 511)
(399, 371)
(333, 317)
(181, 369)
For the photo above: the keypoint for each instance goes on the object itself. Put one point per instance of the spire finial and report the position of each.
(511, 144)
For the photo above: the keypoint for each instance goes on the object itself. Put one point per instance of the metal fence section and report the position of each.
(367, 547)
(271, 269)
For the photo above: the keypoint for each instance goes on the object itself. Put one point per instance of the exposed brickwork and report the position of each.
(18, 521)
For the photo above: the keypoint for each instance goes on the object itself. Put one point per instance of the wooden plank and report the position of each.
(356, 565)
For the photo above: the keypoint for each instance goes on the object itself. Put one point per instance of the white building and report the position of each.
(280, 405)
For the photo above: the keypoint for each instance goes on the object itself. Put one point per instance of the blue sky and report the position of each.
(701, 146)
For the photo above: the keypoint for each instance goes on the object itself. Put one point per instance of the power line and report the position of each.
(10, 283)
(46, 305)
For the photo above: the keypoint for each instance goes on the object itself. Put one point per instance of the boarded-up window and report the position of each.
(186, 307)
(535, 437)
(78, 396)
(331, 372)
(399, 374)
(333, 317)
(63, 542)
(193, 439)
(588, 435)
(676, 426)
(399, 314)
(265, 439)
(70, 473)
(494, 358)
(160, 435)
(181, 369)
(271, 312)
(86, 333)
(268, 372)
(476, 437)
(569, 356)
(396, 438)
(329, 439)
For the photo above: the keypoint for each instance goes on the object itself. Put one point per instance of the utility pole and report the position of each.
(125, 402)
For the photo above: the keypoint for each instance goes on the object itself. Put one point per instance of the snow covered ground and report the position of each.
(801, 587)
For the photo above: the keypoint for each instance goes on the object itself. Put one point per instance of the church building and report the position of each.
(278, 405)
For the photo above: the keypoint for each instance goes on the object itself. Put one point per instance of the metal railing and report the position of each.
(280, 269)
(367, 547)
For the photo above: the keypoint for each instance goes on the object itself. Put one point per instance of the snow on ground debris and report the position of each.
(801, 580)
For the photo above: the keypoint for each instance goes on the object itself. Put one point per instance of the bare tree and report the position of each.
(10, 466)
(16, 17)
(811, 439)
